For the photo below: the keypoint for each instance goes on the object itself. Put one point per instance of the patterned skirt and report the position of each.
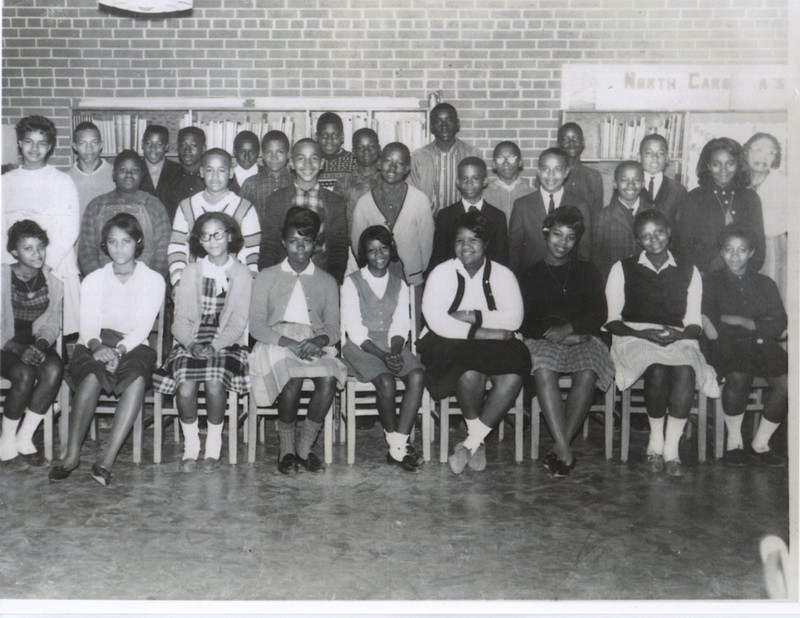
(632, 356)
(592, 355)
(229, 366)
(272, 366)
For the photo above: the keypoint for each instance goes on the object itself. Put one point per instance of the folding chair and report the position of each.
(755, 404)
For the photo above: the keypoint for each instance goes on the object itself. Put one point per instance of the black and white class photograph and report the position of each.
(419, 307)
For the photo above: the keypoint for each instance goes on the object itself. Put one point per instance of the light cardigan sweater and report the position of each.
(271, 293)
(413, 230)
(46, 326)
(233, 318)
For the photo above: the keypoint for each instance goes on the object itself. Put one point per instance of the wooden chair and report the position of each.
(106, 404)
(52, 411)
(254, 411)
(606, 407)
(360, 399)
(633, 401)
(755, 404)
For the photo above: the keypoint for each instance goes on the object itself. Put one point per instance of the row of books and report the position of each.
(125, 131)
(620, 139)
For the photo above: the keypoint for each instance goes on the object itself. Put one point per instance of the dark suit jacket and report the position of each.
(167, 185)
(587, 183)
(526, 244)
(669, 199)
(445, 232)
(613, 234)
(333, 259)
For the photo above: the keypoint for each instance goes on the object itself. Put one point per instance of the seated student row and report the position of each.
(295, 325)
(469, 182)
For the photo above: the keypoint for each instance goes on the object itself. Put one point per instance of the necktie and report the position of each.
(552, 205)
(650, 188)
(473, 209)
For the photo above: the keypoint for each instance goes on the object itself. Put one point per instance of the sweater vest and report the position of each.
(658, 298)
(376, 313)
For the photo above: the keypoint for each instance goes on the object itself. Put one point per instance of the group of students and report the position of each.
(512, 281)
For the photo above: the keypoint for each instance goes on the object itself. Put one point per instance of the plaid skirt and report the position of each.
(272, 366)
(229, 366)
(632, 356)
(592, 355)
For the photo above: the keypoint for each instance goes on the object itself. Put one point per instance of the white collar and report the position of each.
(467, 205)
(478, 276)
(656, 177)
(309, 270)
(557, 195)
(643, 261)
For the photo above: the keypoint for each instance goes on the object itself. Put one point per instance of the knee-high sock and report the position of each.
(734, 426)
(765, 430)
(656, 441)
(674, 432)
(191, 437)
(25, 434)
(213, 441)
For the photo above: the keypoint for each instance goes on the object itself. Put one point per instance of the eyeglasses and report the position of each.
(512, 159)
(218, 235)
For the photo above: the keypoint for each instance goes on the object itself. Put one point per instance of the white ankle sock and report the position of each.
(397, 444)
(765, 430)
(674, 432)
(656, 442)
(8, 439)
(213, 441)
(476, 432)
(25, 434)
(191, 440)
(734, 426)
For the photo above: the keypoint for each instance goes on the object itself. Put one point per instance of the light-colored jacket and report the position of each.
(234, 316)
(46, 326)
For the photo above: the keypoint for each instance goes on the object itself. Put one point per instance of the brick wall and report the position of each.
(498, 61)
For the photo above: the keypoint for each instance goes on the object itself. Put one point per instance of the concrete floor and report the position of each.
(372, 532)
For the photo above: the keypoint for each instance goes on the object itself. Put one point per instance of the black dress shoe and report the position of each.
(59, 473)
(101, 474)
(561, 469)
(549, 462)
(287, 465)
(312, 464)
(409, 463)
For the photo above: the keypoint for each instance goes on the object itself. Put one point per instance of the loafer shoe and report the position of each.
(478, 460)
(673, 468)
(562, 469)
(460, 458)
(408, 463)
(549, 462)
(655, 462)
(767, 458)
(287, 465)
(101, 474)
(187, 466)
(312, 463)
(210, 464)
(59, 472)
(735, 457)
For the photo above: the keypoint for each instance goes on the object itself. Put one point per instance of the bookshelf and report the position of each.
(122, 121)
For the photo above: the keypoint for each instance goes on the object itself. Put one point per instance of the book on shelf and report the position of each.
(118, 132)
(620, 138)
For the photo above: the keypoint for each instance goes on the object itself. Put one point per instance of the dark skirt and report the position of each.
(138, 362)
(766, 359)
(365, 367)
(446, 360)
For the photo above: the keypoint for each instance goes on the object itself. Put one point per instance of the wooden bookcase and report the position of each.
(123, 120)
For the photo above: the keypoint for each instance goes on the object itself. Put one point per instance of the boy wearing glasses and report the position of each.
(216, 171)
(434, 168)
(336, 161)
(508, 186)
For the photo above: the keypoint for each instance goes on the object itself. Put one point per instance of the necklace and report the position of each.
(30, 284)
(727, 209)
(561, 284)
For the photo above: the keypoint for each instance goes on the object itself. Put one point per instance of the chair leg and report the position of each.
(63, 421)
(328, 429)
(444, 429)
(158, 429)
(536, 427)
(426, 426)
(608, 418)
(626, 424)
(350, 422)
(252, 415)
(586, 429)
(233, 427)
(138, 430)
(702, 425)
(341, 404)
(519, 426)
(48, 434)
(719, 429)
